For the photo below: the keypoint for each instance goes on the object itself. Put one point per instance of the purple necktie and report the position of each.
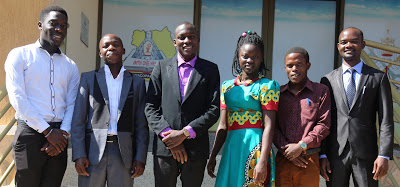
(184, 73)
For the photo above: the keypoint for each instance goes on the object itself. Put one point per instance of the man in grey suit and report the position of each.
(182, 104)
(109, 130)
(358, 92)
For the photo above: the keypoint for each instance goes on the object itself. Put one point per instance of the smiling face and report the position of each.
(350, 45)
(53, 29)
(111, 49)
(296, 67)
(186, 41)
(250, 59)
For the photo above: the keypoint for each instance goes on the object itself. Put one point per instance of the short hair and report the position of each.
(300, 50)
(48, 9)
(187, 23)
(249, 37)
(359, 30)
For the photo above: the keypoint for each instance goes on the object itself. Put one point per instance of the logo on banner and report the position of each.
(149, 47)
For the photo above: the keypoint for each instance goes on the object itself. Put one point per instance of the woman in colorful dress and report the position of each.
(249, 104)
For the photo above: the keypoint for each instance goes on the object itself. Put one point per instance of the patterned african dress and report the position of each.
(244, 103)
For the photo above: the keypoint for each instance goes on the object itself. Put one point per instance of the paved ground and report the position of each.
(147, 180)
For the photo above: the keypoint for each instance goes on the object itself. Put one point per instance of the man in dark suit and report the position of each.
(358, 92)
(109, 130)
(182, 103)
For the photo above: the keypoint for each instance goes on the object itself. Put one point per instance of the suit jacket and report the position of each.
(357, 125)
(91, 118)
(199, 108)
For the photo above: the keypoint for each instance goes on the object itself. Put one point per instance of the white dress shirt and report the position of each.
(356, 75)
(41, 87)
(114, 87)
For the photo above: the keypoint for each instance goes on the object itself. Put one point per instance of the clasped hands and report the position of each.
(293, 152)
(173, 139)
(56, 142)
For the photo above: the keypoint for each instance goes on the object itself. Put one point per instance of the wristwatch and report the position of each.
(303, 145)
(186, 133)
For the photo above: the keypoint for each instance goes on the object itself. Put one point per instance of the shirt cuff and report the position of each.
(191, 132)
(165, 130)
(385, 157)
(322, 156)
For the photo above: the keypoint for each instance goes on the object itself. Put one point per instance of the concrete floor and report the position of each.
(147, 179)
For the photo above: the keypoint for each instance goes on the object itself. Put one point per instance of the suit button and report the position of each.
(107, 123)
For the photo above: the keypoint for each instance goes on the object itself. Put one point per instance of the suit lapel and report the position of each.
(126, 85)
(172, 72)
(194, 79)
(340, 87)
(363, 79)
(101, 80)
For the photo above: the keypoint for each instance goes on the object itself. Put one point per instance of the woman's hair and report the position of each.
(249, 37)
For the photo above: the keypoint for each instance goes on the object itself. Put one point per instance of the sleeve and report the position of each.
(15, 82)
(153, 101)
(141, 127)
(223, 90)
(79, 119)
(279, 139)
(71, 95)
(269, 95)
(321, 129)
(385, 116)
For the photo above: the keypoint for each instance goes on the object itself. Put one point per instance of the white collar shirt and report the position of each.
(347, 75)
(41, 87)
(114, 87)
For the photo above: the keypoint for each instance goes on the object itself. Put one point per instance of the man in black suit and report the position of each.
(359, 92)
(182, 103)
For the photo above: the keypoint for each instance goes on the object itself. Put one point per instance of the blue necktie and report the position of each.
(351, 88)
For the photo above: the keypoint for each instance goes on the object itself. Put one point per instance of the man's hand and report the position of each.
(292, 151)
(179, 153)
(260, 173)
(211, 167)
(300, 161)
(381, 166)
(173, 138)
(57, 139)
(80, 165)
(137, 169)
(49, 149)
(325, 168)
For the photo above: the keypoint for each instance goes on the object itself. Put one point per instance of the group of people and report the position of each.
(325, 128)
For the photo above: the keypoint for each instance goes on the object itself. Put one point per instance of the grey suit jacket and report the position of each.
(199, 108)
(92, 115)
(357, 125)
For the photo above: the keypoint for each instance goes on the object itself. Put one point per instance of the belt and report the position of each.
(313, 150)
(112, 139)
(56, 125)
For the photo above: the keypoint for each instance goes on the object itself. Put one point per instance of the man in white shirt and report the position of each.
(109, 131)
(42, 84)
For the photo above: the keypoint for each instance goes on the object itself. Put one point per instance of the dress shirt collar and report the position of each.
(108, 71)
(182, 61)
(307, 85)
(357, 67)
(39, 45)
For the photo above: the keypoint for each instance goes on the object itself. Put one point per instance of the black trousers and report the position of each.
(347, 164)
(167, 169)
(34, 167)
